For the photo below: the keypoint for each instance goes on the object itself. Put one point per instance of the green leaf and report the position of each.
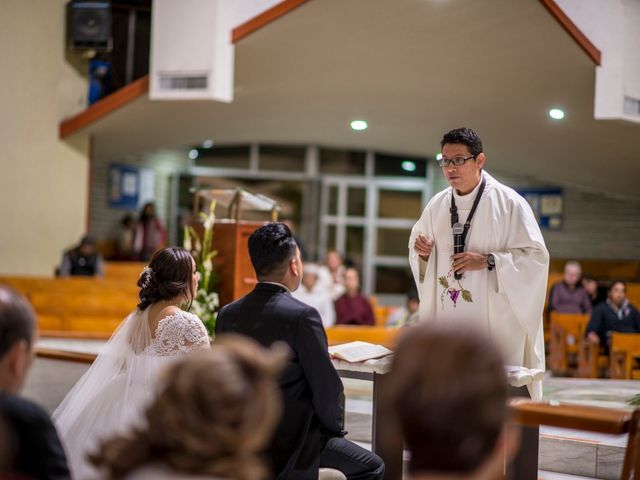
(443, 281)
(466, 296)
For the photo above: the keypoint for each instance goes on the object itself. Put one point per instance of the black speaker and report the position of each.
(89, 26)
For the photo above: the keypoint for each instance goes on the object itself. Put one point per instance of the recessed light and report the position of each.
(207, 143)
(359, 125)
(408, 166)
(439, 157)
(193, 154)
(556, 114)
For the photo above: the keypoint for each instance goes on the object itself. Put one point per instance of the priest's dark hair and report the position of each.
(463, 136)
(271, 248)
(448, 393)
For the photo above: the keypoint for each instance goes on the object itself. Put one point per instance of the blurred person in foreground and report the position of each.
(213, 415)
(30, 444)
(448, 393)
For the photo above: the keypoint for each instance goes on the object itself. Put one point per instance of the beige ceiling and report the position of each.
(413, 69)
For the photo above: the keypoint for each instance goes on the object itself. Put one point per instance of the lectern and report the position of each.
(234, 271)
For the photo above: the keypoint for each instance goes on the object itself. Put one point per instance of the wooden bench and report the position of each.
(350, 333)
(625, 353)
(77, 306)
(592, 419)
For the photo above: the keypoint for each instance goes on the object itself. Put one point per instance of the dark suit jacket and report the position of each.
(35, 449)
(311, 388)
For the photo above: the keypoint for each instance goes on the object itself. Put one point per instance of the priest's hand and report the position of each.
(467, 261)
(423, 246)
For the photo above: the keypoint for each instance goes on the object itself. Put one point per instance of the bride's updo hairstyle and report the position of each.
(214, 413)
(168, 275)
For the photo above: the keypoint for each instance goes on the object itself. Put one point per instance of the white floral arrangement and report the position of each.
(206, 304)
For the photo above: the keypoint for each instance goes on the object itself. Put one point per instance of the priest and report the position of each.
(478, 256)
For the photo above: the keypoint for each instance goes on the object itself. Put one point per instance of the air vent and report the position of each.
(183, 82)
(631, 106)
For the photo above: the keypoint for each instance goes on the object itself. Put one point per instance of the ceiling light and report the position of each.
(556, 114)
(359, 125)
(439, 157)
(408, 166)
(193, 154)
(207, 143)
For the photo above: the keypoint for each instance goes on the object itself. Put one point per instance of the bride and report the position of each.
(113, 393)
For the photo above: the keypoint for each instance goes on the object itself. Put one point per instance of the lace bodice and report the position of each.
(178, 334)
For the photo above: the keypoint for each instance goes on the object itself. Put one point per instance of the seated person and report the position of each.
(448, 392)
(615, 314)
(353, 308)
(568, 296)
(35, 450)
(214, 413)
(313, 293)
(331, 275)
(597, 293)
(407, 314)
(310, 435)
(82, 260)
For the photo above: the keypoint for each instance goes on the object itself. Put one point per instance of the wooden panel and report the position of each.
(350, 333)
(264, 18)
(571, 28)
(105, 106)
(593, 419)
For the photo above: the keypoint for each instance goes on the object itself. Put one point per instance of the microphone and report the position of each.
(458, 244)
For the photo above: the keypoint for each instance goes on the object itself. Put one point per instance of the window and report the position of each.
(342, 162)
(288, 159)
(400, 166)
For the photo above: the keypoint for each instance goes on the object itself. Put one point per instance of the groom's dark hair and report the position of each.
(17, 320)
(271, 247)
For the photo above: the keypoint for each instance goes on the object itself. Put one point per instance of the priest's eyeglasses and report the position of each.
(455, 161)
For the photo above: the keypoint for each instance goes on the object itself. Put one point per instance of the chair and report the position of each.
(567, 329)
(625, 351)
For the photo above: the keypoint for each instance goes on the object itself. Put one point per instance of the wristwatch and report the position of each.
(491, 262)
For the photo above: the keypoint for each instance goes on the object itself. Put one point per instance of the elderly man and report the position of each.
(569, 296)
(36, 450)
(478, 256)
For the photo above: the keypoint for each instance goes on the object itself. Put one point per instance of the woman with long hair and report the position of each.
(213, 414)
(112, 394)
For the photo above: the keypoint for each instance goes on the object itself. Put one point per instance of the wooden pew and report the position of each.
(567, 330)
(350, 333)
(77, 306)
(593, 419)
(625, 353)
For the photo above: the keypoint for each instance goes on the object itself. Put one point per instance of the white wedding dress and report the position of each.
(112, 394)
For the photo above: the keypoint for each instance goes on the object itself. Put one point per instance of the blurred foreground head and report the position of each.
(449, 392)
(214, 414)
(17, 335)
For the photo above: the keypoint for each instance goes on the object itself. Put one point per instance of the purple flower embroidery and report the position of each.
(454, 293)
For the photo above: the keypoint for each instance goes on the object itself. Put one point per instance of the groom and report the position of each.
(310, 433)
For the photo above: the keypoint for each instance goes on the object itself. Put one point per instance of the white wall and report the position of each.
(193, 38)
(44, 181)
(613, 26)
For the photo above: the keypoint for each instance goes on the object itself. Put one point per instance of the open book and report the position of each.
(358, 351)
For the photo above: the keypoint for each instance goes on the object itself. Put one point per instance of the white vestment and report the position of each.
(507, 303)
